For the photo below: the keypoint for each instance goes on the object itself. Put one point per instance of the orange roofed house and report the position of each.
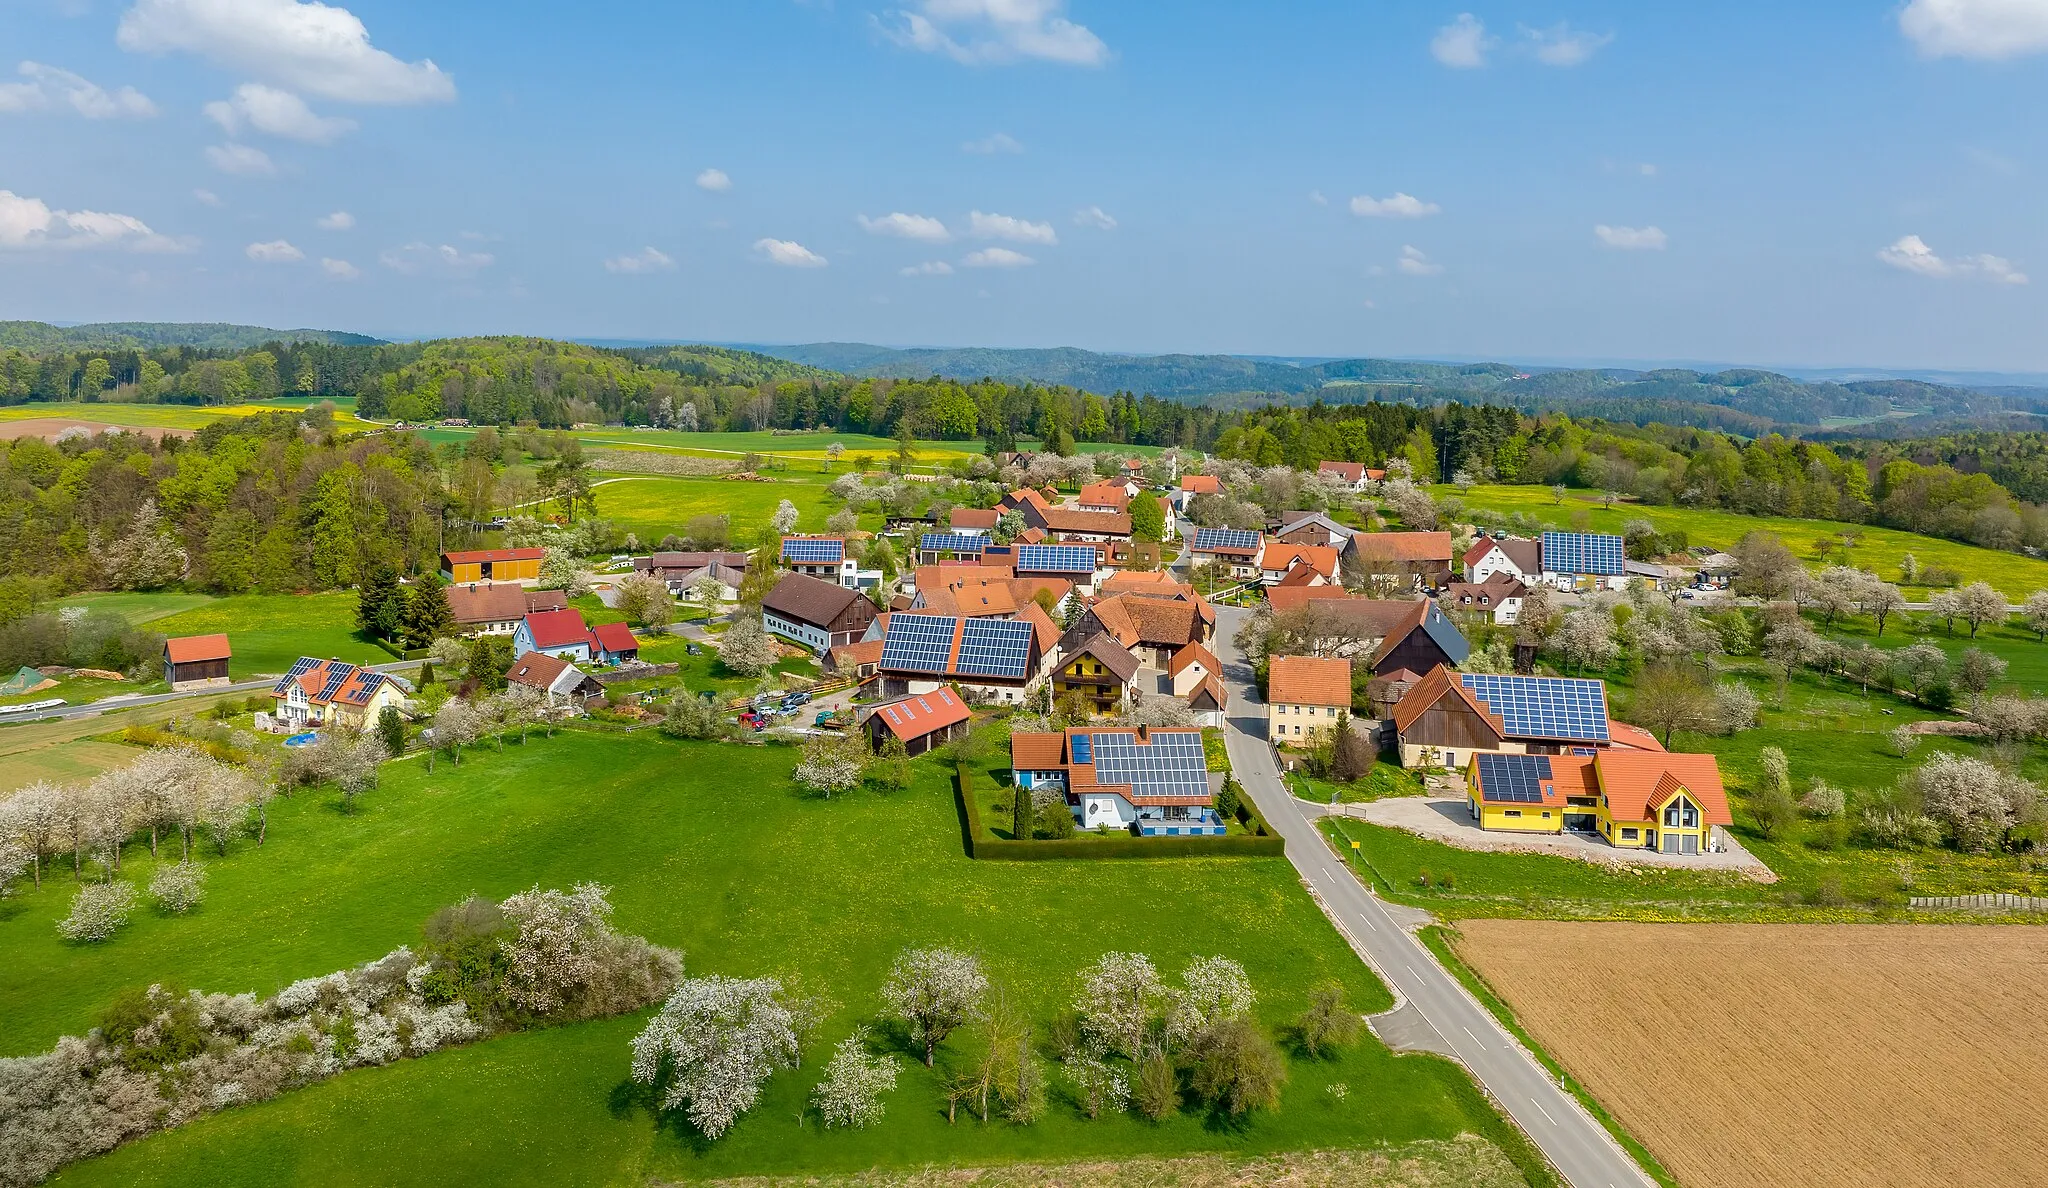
(333, 693)
(1150, 782)
(1646, 800)
(1306, 695)
(196, 662)
(1404, 560)
(492, 565)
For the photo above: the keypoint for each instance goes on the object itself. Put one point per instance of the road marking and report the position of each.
(1369, 923)
(1475, 1039)
(1542, 1111)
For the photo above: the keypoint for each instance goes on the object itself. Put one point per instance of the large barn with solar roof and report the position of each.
(1449, 716)
(998, 659)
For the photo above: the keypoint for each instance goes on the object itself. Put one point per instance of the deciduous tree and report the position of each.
(934, 992)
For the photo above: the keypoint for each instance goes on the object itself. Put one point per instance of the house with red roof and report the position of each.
(1192, 485)
(564, 635)
(333, 693)
(1404, 560)
(1631, 799)
(196, 662)
(1521, 560)
(1152, 782)
(921, 720)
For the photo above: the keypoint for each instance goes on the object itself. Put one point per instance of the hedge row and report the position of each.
(1262, 843)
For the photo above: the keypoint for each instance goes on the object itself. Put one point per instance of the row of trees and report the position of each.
(1129, 1040)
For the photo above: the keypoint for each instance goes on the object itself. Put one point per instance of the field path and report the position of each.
(1576, 1145)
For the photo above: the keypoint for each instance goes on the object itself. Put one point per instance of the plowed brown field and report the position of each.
(1807, 1056)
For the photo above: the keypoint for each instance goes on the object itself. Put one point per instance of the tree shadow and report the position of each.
(630, 1100)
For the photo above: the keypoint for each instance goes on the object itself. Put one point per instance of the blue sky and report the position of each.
(1825, 183)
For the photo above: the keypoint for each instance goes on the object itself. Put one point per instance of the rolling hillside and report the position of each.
(213, 336)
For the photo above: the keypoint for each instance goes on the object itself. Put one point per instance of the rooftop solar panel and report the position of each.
(1240, 540)
(1513, 779)
(1582, 553)
(951, 542)
(917, 643)
(1056, 559)
(1083, 751)
(1171, 764)
(994, 648)
(1543, 707)
(813, 551)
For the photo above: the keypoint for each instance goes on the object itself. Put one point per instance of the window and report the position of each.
(1546, 814)
(1628, 835)
(1515, 813)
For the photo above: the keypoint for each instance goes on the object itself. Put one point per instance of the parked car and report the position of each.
(693, 649)
(795, 699)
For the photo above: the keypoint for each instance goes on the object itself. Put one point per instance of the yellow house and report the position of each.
(333, 693)
(1099, 671)
(492, 565)
(1646, 800)
(1305, 696)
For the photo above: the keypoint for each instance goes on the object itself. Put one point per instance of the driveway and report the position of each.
(1448, 820)
(1433, 1012)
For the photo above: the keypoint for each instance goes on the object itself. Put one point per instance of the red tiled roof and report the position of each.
(1638, 783)
(189, 649)
(1309, 680)
(1038, 752)
(1201, 484)
(1351, 472)
(1210, 689)
(536, 670)
(1632, 738)
(1284, 598)
(1278, 557)
(616, 637)
(1067, 519)
(1403, 546)
(355, 685)
(921, 713)
(857, 655)
(477, 556)
(1105, 494)
(975, 517)
(488, 604)
(1194, 653)
(557, 629)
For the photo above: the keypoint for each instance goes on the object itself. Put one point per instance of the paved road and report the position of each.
(107, 706)
(1436, 1013)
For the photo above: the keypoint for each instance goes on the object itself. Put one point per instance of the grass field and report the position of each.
(1807, 1056)
(269, 631)
(63, 763)
(1879, 550)
(166, 416)
(653, 507)
(708, 850)
(139, 608)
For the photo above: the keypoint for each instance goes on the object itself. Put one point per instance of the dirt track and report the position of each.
(1795, 1055)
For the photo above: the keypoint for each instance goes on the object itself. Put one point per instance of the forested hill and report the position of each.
(209, 336)
(1742, 401)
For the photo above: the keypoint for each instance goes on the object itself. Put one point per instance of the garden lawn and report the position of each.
(654, 507)
(269, 631)
(1879, 549)
(707, 849)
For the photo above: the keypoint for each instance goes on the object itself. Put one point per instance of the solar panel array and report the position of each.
(1056, 559)
(917, 643)
(337, 675)
(995, 648)
(1515, 779)
(1208, 540)
(301, 667)
(1083, 752)
(1543, 707)
(951, 542)
(1171, 764)
(813, 551)
(1582, 552)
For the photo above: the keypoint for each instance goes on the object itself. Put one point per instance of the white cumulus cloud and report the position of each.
(340, 269)
(928, 268)
(275, 113)
(1400, 206)
(320, 49)
(1414, 262)
(207, 197)
(48, 86)
(714, 180)
(419, 258)
(1911, 254)
(907, 226)
(788, 253)
(993, 144)
(997, 257)
(997, 226)
(1463, 44)
(1989, 29)
(340, 220)
(29, 224)
(1632, 239)
(1562, 45)
(1096, 217)
(993, 32)
(240, 160)
(276, 251)
(645, 260)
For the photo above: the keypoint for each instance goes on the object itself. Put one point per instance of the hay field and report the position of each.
(1808, 1056)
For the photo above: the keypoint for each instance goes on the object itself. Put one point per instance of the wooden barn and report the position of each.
(196, 662)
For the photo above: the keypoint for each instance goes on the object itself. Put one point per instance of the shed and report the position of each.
(921, 720)
(196, 662)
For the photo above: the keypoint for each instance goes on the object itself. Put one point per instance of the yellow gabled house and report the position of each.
(1646, 800)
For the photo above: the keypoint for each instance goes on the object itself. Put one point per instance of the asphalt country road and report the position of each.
(1457, 1025)
(116, 705)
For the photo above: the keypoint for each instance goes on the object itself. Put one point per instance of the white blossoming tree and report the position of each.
(832, 764)
(1213, 990)
(1120, 996)
(716, 1040)
(934, 992)
(746, 647)
(98, 911)
(851, 1093)
(177, 887)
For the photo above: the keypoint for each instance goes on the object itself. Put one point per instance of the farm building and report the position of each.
(817, 614)
(1315, 529)
(921, 720)
(1648, 800)
(1152, 628)
(1447, 717)
(1583, 561)
(998, 659)
(681, 570)
(333, 693)
(1152, 782)
(1404, 560)
(1387, 633)
(196, 662)
(821, 557)
(561, 682)
(493, 609)
(491, 565)
(1237, 548)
